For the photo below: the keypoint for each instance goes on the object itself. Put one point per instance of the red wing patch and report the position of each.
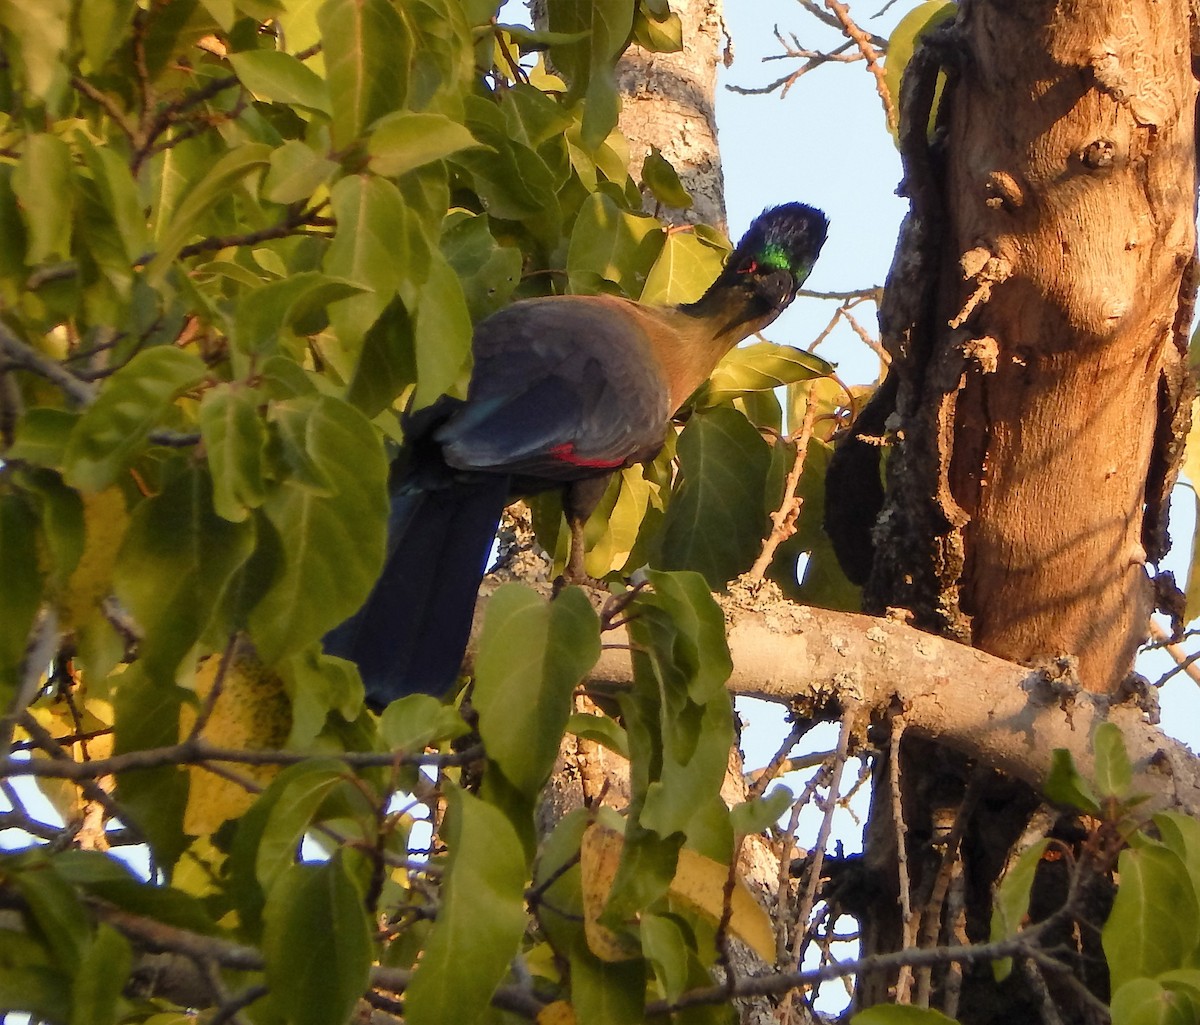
(566, 453)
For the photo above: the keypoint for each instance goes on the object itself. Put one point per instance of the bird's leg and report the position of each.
(579, 502)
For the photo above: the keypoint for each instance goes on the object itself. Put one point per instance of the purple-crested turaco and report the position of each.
(564, 391)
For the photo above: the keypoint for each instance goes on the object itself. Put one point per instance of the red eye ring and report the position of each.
(750, 268)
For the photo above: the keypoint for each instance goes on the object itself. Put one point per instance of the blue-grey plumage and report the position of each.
(564, 391)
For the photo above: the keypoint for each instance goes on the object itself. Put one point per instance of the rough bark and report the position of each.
(668, 101)
(1038, 313)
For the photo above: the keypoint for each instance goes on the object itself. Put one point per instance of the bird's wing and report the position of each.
(561, 388)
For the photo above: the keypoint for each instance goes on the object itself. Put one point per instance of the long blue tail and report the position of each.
(410, 635)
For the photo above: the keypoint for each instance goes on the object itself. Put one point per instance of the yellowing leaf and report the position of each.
(699, 882)
(105, 520)
(599, 855)
(251, 713)
(557, 1013)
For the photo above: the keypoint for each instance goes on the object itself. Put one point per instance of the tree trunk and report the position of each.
(1038, 312)
(669, 101)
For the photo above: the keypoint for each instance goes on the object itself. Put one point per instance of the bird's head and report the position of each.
(777, 252)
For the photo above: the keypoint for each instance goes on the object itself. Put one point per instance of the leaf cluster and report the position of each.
(238, 237)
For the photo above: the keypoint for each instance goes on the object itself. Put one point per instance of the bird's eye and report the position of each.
(749, 268)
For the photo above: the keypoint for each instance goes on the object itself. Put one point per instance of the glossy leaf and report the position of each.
(1012, 901)
(443, 334)
(295, 796)
(1065, 785)
(530, 657)
(403, 141)
(683, 270)
(42, 182)
(219, 179)
(265, 312)
(279, 77)
(903, 42)
(716, 521)
(1144, 1001)
(610, 244)
(335, 541)
(367, 49)
(661, 179)
(378, 247)
(177, 559)
(487, 270)
(134, 401)
(234, 442)
(1114, 774)
(296, 171)
(1154, 925)
(317, 942)
(763, 366)
(480, 920)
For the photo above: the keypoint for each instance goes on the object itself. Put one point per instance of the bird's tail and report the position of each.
(410, 635)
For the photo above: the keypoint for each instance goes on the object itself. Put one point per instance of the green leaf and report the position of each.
(1114, 774)
(1181, 834)
(42, 435)
(763, 366)
(610, 244)
(317, 942)
(1147, 1002)
(658, 35)
(683, 270)
(588, 64)
(174, 565)
(335, 541)
(388, 363)
(760, 814)
(717, 520)
(443, 334)
(660, 178)
(43, 184)
(402, 141)
(367, 49)
(22, 584)
(417, 720)
(98, 987)
(481, 918)
(664, 946)
(298, 796)
(28, 981)
(219, 180)
(900, 1014)
(903, 42)
(234, 441)
(54, 913)
(699, 653)
(488, 271)
(146, 711)
(1064, 784)
(119, 193)
(1154, 925)
(265, 312)
(379, 246)
(135, 400)
(281, 78)
(601, 729)
(296, 173)
(1012, 901)
(531, 655)
(41, 32)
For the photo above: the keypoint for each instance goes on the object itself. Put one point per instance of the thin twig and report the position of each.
(870, 50)
(17, 353)
(804, 911)
(908, 922)
(1183, 661)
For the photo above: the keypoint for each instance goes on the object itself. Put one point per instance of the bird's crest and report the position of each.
(786, 237)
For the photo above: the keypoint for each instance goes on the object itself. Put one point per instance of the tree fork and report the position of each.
(1063, 270)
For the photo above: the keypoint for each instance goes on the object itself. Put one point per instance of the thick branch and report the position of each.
(1007, 716)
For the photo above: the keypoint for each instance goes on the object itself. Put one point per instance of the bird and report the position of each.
(564, 391)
